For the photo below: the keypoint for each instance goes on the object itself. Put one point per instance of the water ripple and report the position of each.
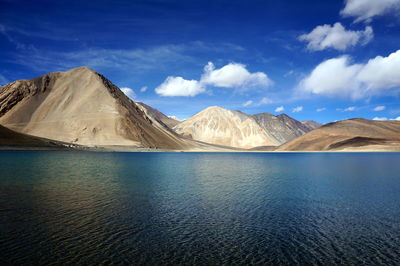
(171, 208)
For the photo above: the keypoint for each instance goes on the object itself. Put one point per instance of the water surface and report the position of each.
(199, 208)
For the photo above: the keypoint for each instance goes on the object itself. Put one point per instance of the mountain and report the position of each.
(83, 107)
(169, 121)
(219, 126)
(10, 138)
(311, 124)
(282, 128)
(354, 134)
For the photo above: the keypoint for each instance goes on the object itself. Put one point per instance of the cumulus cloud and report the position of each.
(143, 89)
(340, 77)
(321, 109)
(247, 103)
(129, 92)
(385, 118)
(335, 37)
(233, 75)
(279, 109)
(380, 118)
(379, 108)
(365, 10)
(178, 86)
(297, 109)
(175, 118)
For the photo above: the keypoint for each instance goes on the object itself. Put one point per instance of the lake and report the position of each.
(199, 208)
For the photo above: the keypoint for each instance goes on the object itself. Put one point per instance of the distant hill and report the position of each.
(220, 126)
(353, 134)
(234, 128)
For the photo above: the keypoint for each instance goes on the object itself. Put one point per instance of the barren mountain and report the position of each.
(225, 127)
(157, 115)
(354, 134)
(80, 106)
(282, 128)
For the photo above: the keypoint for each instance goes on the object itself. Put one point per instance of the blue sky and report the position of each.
(322, 60)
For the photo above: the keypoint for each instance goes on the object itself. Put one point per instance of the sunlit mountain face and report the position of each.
(314, 60)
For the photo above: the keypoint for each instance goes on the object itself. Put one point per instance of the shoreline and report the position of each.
(131, 149)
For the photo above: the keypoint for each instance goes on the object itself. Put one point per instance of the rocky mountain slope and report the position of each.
(157, 115)
(83, 107)
(220, 126)
(282, 128)
(354, 134)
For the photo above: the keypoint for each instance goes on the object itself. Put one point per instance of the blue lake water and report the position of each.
(199, 208)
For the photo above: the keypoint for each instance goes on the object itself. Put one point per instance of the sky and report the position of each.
(313, 60)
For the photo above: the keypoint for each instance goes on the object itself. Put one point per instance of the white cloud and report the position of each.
(289, 73)
(336, 37)
(321, 109)
(349, 109)
(175, 118)
(397, 118)
(233, 75)
(143, 89)
(379, 108)
(380, 118)
(297, 109)
(247, 103)
(264, 101)
(177, 86)
(3, 80)
(129, 92)
(365, 10)
(279, 109)
(339, 77)
(381, 72)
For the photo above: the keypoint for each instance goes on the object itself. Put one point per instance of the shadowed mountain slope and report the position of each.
(11, 138)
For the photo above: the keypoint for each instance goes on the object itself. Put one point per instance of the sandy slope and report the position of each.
(349, 135)
(81, 106)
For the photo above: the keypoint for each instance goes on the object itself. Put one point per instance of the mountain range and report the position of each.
(82, 107)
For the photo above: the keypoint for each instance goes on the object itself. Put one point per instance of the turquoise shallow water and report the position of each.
(199, 208)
